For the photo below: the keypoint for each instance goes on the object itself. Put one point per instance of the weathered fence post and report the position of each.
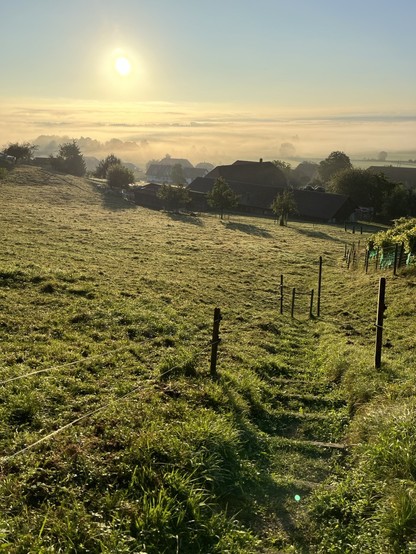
(401, 255)
(215, 341)
(281, 294)
(318, 309)
(293, 301)
(396, 259)
(311, 306)
(379, 325)
(367, 257)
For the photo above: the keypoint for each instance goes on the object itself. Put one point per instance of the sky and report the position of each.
(210, 81)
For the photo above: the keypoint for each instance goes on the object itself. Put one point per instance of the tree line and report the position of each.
(70, 160)
(388, 200)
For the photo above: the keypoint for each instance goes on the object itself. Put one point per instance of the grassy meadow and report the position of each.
(114, 438)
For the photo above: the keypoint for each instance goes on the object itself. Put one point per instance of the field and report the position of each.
(115, 437)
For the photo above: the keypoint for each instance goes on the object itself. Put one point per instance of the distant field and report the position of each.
(111, 306)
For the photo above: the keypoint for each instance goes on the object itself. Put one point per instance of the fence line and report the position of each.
(389, 257)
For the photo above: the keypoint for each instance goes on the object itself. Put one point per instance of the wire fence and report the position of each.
(292, 299)
(147, 385)
(362, 255)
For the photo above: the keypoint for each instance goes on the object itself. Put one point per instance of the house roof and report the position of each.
(163, 172)
(310, 204)
(258, 173)
(323, 205)
(250, 194)
(174, 161)
(405, 175)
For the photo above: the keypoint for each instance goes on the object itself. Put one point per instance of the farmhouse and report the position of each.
(147, 196)
(258, 183)
(161, 172)
(404, 175)
(323, 206)
(255, 183)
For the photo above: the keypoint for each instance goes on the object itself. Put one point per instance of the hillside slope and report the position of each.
(114, 436)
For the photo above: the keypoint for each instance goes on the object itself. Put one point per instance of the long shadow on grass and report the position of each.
(317, 234)
(261, 490)
(186, 218)
(249, 229)
(115, 202)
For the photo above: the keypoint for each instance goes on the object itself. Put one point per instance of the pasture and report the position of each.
(114, 438)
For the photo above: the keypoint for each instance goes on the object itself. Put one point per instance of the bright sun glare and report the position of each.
(122, 65)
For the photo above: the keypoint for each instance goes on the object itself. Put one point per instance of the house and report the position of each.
(323, 206)
(161, 172)
(147, 196)
(256, 173)
(258, 183)
(405, 175)
(255, 183)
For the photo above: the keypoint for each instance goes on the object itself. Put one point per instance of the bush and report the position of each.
(69, 160)
(102, 167)
(119, 177)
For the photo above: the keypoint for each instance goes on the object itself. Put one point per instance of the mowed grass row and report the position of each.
(116, 302)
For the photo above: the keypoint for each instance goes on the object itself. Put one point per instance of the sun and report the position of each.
(122, 66)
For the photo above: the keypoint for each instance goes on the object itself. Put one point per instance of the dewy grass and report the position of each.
(107, 306)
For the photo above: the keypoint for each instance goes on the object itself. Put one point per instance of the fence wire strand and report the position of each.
(114, 401)
(76, 362)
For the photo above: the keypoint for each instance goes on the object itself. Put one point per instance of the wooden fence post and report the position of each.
(379, 325)
(367, 257)
(215, 341)
(401, 255)
(318, 309)
(293, 301)
(396, 259)
(281, 294)
(311, 306)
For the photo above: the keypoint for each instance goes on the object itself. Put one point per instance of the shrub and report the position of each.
(119, 177)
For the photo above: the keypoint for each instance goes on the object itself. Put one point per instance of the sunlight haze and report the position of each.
(212, 81)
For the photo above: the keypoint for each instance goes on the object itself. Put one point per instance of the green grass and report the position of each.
(107, 308)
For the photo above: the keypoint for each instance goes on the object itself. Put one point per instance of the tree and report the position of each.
(382, 156)
(221, 197)
(69, 159)
(283, 205)
(369, 190)
(103, 165)
(174, 197)
(119, 177)
(336, 161)
(284, 166)
(177, 175)
(21, 151)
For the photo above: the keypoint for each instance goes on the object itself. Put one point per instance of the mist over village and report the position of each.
(207, 277)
